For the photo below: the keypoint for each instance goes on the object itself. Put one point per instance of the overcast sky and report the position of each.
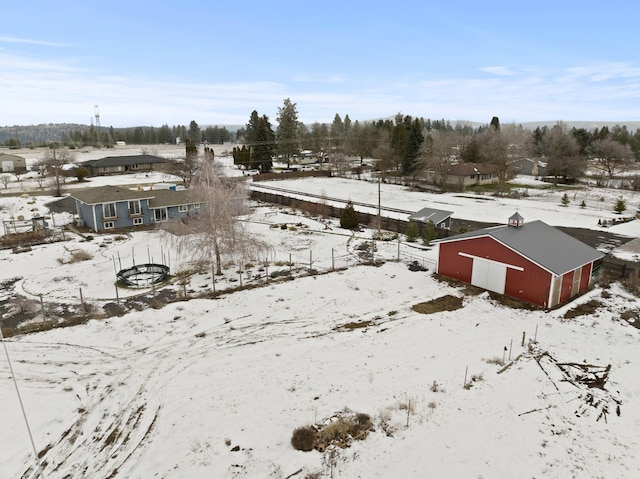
(150, 63)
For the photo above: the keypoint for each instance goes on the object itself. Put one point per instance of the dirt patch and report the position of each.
(443, 303)
(512, 302)
(355, 325)
(589, 307)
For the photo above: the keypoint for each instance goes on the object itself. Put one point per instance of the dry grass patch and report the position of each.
(443, 303)
(584, 309)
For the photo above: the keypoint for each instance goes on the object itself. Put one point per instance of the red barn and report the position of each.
(534, 262)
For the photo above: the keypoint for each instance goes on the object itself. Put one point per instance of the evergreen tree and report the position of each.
(620, 206)
(287, 133)
(412, 231)
(262, 151)
(349, 217)
(194, 132)
(428, 233)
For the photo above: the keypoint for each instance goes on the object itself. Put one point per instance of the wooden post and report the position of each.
(333, 261)
(119, 261)
(310, 259)
(290, 272)
(510, 346)
(535, 337)
(240, 274)
(117, 296)
(44, 316)
(504, 354)
(523, 337)
(82, 302)
(408, 411)
(465, 377)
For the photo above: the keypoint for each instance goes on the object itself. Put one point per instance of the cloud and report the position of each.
(32, 42)
(497, 70)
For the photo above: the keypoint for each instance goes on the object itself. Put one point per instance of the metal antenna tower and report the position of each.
(97, 115)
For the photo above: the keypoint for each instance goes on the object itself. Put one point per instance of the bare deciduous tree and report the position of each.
(438, 152)
(562, 153)
(53, 159)
(501, 147)
(610, 157)
(215, 233)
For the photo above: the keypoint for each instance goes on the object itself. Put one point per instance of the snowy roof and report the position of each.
(107, 194)
(125, 160)
(545, 245)
(430, 214)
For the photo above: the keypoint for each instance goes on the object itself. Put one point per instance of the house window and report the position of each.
(109, 210)
(134, 167)
(109, 225)
(183, 208)
(135, 208)
(160, 214)
(196, 205)
(104, 169)
(138, 221)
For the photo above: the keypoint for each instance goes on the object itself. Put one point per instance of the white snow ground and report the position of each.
(215, 388)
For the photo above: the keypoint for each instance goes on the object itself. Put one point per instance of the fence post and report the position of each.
(333, 264)
(44, 316)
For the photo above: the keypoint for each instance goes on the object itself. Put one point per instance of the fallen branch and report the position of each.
(535, 410)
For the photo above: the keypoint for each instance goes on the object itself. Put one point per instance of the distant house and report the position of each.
(12, 164)
(113, 165)
(534, 262)
(529, 167)
(440, 218)
(106, 208)
(461, 175)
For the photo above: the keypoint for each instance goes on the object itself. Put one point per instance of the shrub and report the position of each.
(349, 217)
(303, 438)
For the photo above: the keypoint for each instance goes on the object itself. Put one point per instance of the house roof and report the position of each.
(7, 156)
(111, 194)
(468, 169)
(545, 245)
(430, 214)
(125, 160)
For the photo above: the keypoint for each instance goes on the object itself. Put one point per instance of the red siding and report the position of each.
(585, 278)
(531, 285)
(567, 283)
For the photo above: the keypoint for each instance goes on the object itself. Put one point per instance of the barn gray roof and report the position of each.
(543, 244)
(430, 214)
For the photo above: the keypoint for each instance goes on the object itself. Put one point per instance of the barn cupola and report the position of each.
(516, 220)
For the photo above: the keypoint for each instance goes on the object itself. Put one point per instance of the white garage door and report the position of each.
(489, 275)
(7, 166)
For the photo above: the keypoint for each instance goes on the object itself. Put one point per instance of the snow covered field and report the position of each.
(215, 388)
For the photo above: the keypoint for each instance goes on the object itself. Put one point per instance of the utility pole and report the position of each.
(379, 206)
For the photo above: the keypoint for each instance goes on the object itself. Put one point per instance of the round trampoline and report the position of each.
(143, 275)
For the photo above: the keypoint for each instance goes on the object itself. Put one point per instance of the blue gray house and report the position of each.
(105, 208)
